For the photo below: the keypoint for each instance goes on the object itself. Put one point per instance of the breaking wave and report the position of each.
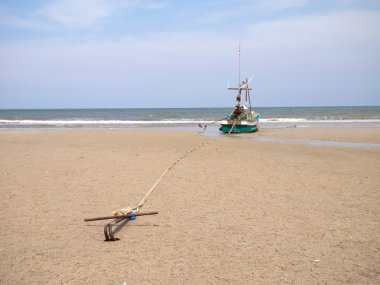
(73, 123)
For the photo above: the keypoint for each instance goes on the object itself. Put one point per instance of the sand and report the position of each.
(233, 212)
(344, 134)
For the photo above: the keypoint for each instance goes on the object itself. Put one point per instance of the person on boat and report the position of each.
(238, 97)
(236, 112)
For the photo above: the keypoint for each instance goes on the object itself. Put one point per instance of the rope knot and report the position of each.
(122, 212)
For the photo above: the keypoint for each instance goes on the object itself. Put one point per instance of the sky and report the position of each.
(153, 53)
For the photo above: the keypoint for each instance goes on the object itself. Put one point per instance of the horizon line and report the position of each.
(118, 108)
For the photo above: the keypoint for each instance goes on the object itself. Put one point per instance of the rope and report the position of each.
(206, 125)
(135, 209)
(233, 126)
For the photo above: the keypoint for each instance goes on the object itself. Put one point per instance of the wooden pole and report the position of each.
(121, 217)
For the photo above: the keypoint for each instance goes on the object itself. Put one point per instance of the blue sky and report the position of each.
(152, 53)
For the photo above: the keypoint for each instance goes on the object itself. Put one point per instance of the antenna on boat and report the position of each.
(249, 80)
(239, 61)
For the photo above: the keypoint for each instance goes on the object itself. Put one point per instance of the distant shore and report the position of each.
(240, 210)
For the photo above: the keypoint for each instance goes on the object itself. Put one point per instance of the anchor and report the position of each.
(109, 234)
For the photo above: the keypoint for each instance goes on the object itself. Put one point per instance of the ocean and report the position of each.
(185, 117)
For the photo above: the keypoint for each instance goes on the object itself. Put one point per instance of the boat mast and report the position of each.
(245, 83)
(243, 86)
(239, 63)
(249, 99)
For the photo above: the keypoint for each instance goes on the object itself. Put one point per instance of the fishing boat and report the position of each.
(242, 119)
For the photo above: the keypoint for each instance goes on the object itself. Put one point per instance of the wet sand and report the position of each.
(343, 134)
(233, 212)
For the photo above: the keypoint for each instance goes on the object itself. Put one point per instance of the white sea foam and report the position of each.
(165, 122)
(99, 122)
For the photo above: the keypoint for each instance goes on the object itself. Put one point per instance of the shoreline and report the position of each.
(281, 123)
(341, 136)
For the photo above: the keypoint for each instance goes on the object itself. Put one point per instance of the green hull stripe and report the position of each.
(238, 129)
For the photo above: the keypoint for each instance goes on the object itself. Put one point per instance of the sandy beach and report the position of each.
(235, 211)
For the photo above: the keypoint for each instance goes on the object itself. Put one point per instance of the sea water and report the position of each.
(185, 117)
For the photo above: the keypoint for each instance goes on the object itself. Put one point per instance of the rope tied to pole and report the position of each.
(122, 212)
(233, 126)
(204, 126)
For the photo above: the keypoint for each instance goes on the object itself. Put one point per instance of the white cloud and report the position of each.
(73, 14)
(266, 6)
(346, 39)
(79, 14)
(326, 58)
(23, 22)
(249, 9)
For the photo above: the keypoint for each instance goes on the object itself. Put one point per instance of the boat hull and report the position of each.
(226, 128)
(248, 125)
